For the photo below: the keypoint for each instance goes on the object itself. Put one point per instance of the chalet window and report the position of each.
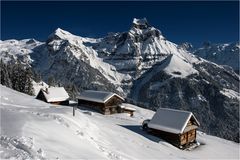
(183, 137)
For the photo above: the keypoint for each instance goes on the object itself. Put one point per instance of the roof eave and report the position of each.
(188, 119)
(114, 94)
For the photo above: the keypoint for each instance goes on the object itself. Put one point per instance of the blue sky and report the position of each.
(188, 21)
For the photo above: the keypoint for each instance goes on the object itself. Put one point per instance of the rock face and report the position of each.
(187, 46)
(141, 65)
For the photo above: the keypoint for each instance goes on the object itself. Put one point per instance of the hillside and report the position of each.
(31, 129)
(141, 65)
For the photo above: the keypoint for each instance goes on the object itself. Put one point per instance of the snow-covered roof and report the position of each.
(37, 86)
(97, 96)
(54, 94)
(171, 120)
(127, 107)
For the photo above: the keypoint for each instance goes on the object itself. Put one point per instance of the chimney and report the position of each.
(47, 90)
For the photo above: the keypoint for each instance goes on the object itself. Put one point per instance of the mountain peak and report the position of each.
(60, 31)
(140, 23)
(59, 34)
(142, 28)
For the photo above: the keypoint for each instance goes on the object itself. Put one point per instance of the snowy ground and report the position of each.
(31, 129)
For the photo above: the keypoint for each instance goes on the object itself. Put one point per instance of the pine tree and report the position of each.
(4, 74)
(74, 90)
(28, 81)
(37, 77)
(17, 78)
(51, 81)
(21, 78)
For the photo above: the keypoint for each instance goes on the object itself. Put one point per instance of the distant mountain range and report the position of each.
(223, 54)
(146, 68)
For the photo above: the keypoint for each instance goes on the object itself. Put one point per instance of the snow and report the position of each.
(174, 65)
(170, 120)
(13, 49)
(62, 34)
(151, 48)
(85, 53)
(53, 94)
(38, 130)
(154, 86)
(222, 54)
(97, 96)
(24, 50)
(230, 93)
(179, 68)
(38, 86)
(127, 107)
(140, 21)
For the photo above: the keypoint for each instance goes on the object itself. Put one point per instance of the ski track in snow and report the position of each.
(109, 154)
(20, 148)
(57, 118)
(62, 121)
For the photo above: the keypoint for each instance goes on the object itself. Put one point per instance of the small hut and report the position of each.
(54, 95)
(101, 101)
(175, 126)
(127, 108)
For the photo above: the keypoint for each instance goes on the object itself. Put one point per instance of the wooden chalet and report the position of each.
(101, 101)
(175, 126)
(54, 95)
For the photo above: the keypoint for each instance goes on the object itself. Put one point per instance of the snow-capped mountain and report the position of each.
(223, 54)
(142, 65)
(139, 49)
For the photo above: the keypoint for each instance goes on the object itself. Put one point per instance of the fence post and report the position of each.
(73, 110)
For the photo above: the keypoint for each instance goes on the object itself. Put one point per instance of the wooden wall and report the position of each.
(169, 137)
(61, 102)
(41, 96)
(112, 105)
(109, 107)
(176, 139)
(100, 107)
(188, 137)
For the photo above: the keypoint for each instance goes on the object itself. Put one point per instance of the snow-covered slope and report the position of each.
(31, 129)
(13, 50)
